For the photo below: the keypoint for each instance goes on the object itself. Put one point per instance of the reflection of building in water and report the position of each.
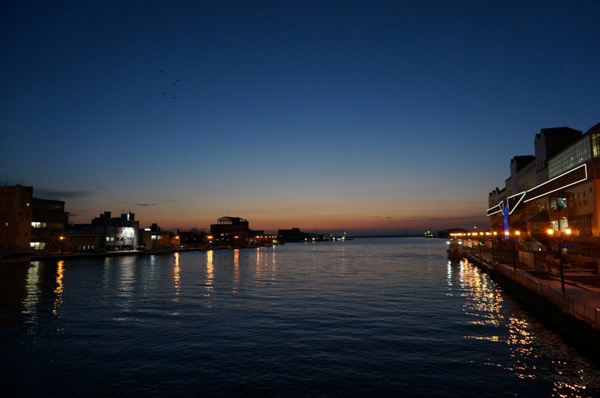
(176, 277)
(236, 270)
(58, 291)
(44, 288)
(483, 302)
(13, 288)
(490, 319)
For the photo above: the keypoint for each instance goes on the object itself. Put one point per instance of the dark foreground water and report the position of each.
(369, 317)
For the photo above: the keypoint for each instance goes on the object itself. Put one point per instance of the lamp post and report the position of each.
(514, 242)
(559, 244)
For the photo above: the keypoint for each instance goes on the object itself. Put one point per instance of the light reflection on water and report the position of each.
(485, 304)
(176, 277)
(360, 317)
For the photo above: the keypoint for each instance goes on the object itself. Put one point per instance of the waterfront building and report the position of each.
(15, 219)
(154, 238)
(292, 235)
(231, 230)
(557, 189)
(47, 225)
(118, 233)
(192, 239)
(81, 240)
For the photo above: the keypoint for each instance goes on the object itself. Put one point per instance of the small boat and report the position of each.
(428, 234)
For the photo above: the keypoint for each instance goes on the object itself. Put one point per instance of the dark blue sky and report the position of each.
(385, 115)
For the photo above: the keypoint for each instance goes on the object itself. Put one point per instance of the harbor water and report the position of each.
(366, 317)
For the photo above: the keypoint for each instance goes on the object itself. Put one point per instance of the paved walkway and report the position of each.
(583, 287)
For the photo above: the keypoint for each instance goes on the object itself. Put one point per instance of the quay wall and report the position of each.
(578, 321)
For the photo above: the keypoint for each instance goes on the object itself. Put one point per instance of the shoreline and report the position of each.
(574, 314)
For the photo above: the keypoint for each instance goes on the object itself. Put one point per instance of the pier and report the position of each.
(576, 312)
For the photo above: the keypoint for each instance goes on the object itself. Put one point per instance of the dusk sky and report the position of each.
(374, 116)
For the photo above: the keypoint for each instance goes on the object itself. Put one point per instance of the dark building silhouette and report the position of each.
(15, 219)
(47, 224)
(291, 235)
(233, 230)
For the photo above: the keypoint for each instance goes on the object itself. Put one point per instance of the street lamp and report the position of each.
(559, 244)
(492, 239)
(517, 233)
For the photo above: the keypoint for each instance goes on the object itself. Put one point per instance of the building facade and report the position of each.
(16, 212)
(231, 230)
(47, 225)
(79, 240)
(154, 238)
(119, 233)
(557, 189)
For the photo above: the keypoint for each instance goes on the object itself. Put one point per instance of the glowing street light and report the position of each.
(517, 233)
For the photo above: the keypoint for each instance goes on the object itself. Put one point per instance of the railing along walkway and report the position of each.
(582, 302)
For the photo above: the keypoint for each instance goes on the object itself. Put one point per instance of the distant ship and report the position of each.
(428, 235)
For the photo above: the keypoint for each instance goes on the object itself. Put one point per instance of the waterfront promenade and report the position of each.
(576, 311)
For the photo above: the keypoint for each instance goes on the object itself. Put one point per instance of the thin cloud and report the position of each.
(156, 204)
(49, 193)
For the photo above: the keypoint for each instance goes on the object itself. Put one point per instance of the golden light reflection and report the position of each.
(483, 302)
(176, 277)
(59, 286)
(210, 270)
(236, 270)
(484, 309)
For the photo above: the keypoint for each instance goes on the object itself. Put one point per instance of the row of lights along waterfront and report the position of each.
(516, 234)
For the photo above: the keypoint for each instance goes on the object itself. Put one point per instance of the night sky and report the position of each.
(374, 116)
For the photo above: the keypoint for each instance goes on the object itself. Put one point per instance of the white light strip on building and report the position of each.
(495, 212)
(511, 209)
(564, 186)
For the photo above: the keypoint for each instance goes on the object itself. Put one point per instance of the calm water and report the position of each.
(357, 318)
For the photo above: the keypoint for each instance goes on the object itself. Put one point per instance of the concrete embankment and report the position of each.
(64, 256)
(575, 312)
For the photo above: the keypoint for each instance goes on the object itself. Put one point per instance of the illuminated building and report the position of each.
(15, 218)
(47, 225)
(119, 233)
(556, 189)
(231, 230)
(154, 238)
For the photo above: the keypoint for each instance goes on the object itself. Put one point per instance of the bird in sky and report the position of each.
(174, 84)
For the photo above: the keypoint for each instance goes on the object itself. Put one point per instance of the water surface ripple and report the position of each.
(356, 318)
